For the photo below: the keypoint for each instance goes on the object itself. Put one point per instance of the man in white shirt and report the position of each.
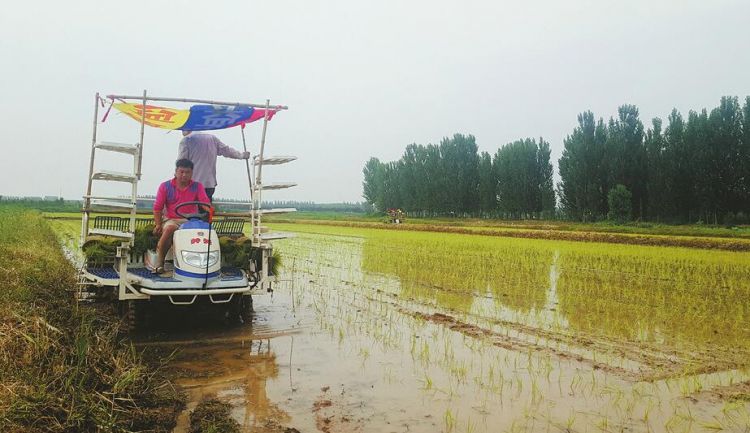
(203, 149)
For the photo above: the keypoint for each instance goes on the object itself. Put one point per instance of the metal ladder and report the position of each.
(92, 202)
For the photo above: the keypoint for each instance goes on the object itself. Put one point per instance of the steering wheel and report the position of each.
(205, 211)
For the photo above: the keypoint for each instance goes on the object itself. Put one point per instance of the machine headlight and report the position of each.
(200, 260)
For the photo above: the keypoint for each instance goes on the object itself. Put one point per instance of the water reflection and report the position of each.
(693, 303)
(490, 329)
(237, 373)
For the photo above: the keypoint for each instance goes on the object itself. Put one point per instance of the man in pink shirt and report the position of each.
(203, 149)
(180, 189)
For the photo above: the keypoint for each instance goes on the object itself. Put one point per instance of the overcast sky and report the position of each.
(360, 78)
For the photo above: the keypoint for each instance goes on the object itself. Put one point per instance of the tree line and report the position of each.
(689, 170)
(452, 178)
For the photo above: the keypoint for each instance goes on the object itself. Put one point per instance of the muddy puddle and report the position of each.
(338, 347)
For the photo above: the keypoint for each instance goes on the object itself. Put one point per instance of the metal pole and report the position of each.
(87, 200)
(143, 128)
(258, 173)
(247, 164)
(262, 144)
(137, 168)
(201, 101)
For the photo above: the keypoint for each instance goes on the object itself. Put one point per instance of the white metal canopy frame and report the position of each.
(128, 204)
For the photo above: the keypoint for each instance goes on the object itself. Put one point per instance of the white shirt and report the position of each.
(202, 150)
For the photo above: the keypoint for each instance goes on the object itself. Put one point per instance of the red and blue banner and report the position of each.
(197, 118)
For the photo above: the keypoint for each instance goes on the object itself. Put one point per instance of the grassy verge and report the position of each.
(62, 366)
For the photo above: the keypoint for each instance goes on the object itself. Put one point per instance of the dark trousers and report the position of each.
(210, 193)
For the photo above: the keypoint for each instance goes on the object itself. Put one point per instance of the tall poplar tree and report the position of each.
(722, 173)
(487, 185)
(545, 178)
(627, 156)
(524, 178)
(745, 156)
(657, 167)
(583, 169)
(372, 186)
(680, 170)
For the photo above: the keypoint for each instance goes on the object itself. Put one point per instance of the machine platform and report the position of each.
(142, 276)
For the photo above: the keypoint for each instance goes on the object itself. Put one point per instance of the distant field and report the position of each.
(688, 237)
(695, 230)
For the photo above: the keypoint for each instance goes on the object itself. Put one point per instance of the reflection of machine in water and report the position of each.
(235, 373)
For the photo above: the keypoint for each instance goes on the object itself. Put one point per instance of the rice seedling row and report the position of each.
(590, 335)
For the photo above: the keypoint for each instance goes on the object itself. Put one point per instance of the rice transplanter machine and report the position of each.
(195, 272)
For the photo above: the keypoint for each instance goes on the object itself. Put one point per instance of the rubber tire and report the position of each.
(246, 308)
(134, 315)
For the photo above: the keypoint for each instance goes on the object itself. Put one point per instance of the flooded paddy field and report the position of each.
(397, 331)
